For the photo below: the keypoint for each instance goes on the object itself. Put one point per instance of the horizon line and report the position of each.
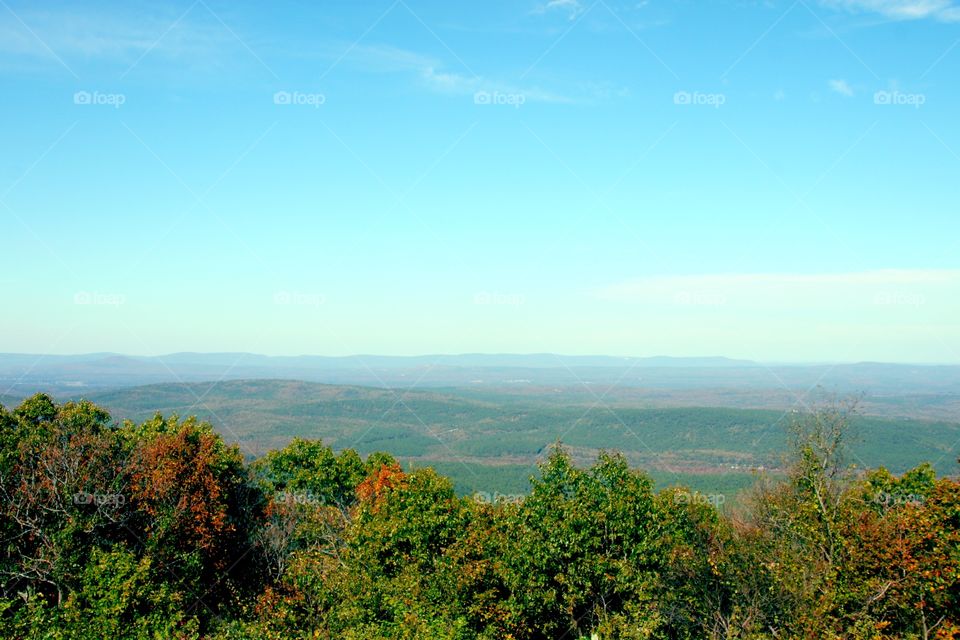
(661, 356)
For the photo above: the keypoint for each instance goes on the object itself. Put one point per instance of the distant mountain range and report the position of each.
(100, 370)
(25, 373)
(194, 359)
(914, 391)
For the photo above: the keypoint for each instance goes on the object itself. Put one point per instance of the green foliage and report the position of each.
(159, 530)
(62, 493)
(161, 503)
(36, 410)
(584, 543)
(123, 596)
(885, 491)
(310, 469)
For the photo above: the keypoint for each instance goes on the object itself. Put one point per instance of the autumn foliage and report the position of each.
(179, 480)
(161, 530)
(373, 489)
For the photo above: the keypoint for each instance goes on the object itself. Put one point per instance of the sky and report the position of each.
(767, 180)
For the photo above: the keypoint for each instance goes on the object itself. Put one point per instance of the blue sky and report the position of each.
(769, 180)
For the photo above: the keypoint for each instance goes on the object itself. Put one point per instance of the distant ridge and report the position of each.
(516, 424)
(26, 373)
(458, 360)
(228, 359)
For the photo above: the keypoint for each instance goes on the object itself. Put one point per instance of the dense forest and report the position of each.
(160, 529)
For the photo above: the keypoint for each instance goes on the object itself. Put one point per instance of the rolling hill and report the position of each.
(491, 441)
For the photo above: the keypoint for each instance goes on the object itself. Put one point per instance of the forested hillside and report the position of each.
(490, 441)
(160, 529)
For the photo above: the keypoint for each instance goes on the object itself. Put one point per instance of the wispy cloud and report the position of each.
(943, 10)
(572, 8)
(462, 84)
(432, 74)
(379, 58)
(841, 86)
(97, 35)
(870, 314)
(784, 290)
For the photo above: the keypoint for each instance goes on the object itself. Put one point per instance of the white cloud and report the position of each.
(841, 87)
(785, 289)
(91, 34)
(943, 10)
(462, 84)
(197, 38)
(429, 72)
(894, 315)
(572, 8)
(379, 57)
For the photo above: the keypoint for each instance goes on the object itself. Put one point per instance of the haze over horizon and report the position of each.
(504, 177)
(441, 357)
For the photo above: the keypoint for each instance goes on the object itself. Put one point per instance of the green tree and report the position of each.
(584, 552)
(121, 596)
(63, 491)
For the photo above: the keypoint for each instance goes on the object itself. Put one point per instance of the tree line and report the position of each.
(161, 530)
